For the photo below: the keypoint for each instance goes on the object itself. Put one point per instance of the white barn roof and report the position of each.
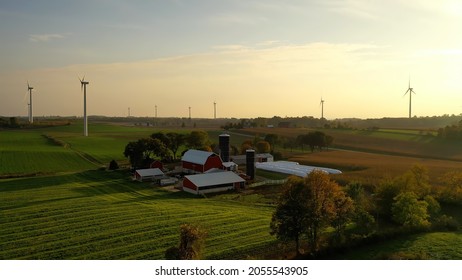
(216, 178)
(293, 168)
(196, 156)
(149, 172)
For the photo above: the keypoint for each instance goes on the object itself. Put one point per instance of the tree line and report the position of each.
(164, 146)
(317, 214)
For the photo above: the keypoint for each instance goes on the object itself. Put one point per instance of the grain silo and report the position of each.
(224, 147)
(250, 163)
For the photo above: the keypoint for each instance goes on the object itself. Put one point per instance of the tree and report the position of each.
(246, 145)
(320, 195)
(409, 211)
(288, 222)
(113, 165)
(175, 141)
(307, 207)
(198, 139)
(192, 240)
(141, 151)
(263, 147)
(343, 212)
(272, 139)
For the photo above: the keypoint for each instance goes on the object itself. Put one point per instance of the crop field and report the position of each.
(370, 168)
(103, 215)
(29, 152)
(392, 142)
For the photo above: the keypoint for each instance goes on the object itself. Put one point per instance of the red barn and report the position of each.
(156, 164)
(196, 161)
(212, 182)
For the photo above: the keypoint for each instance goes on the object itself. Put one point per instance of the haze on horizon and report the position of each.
(253, 58)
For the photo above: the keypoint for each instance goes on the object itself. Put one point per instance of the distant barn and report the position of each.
(195, 161)
(156, 164)
(212, 182)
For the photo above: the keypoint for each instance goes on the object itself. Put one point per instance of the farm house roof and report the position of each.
(216, 178)
(149, 172)
(196, 156)
(293, 168)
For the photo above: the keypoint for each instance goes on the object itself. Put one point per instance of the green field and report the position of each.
(104, 215)
(25, 152)
(435, 245)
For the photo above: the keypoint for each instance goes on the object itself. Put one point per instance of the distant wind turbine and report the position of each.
(31, 117)
(190, 112)
(83, 85)
(322, 108)
(411, 91)
(214, 110)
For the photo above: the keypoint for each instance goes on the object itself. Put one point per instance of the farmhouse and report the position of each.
(148, 174)
(212, 182)
(195, 161)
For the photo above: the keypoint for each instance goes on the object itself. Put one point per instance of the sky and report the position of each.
(253, 58)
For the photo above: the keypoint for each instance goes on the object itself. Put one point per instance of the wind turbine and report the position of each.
(83, 85)
(322, 108)
(189, 112)
(411, 91)
(31, 117)
(214, 109)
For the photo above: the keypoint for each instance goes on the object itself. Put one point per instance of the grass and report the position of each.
(29, 152)
(102, 215)
(436, 246)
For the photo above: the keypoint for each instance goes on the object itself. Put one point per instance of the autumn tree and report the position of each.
(288, 222)
(263, 147)
(307, 207)
(192, 240)
(342, 215)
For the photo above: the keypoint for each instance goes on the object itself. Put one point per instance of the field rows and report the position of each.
(106, 216)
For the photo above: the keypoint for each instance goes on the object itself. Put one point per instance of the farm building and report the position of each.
(149, 174)
(156, 164)
(212, 182)
(293, 168)
(240, 159)
(195, 161)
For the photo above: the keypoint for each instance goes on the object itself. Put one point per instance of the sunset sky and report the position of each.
(254, 58)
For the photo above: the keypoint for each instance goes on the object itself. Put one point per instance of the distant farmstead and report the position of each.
(195, 161)
(212, 182)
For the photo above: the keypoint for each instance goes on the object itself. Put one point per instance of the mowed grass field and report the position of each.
(26, 152)
(75, 211)
(104, 215)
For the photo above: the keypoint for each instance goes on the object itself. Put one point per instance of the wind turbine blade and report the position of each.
(407, 91)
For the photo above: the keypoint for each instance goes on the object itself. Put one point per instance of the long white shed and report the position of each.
(293, 168)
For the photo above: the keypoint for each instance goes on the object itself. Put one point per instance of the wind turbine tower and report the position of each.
(156, 112)
(411, 91)
(83, 85)
(214, 110)
(31, 117)
(189, 112)
(322, 108)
